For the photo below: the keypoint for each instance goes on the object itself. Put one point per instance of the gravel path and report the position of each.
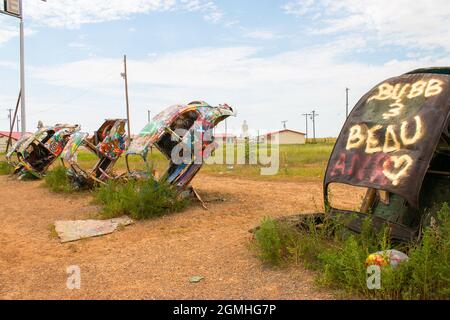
(153, 259)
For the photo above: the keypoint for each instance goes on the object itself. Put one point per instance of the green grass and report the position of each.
(296, 163)
(5, 168)
(57, 181)
(339, 257)
(143, 199)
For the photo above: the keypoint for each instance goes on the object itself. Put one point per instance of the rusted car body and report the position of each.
(396, 144)
(180, 127)
(33, 154)
(107, 144)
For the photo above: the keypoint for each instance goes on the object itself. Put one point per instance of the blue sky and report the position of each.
(271, 60)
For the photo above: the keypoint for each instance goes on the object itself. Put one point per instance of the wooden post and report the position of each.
(125, 76)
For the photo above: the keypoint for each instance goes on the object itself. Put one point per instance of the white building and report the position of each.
(285, 136)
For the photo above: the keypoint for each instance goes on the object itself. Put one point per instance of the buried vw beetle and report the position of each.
(183, 134)
(107, 144)
(395, 146)
(33, 154)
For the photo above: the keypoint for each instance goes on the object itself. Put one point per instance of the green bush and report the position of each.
(138, 199)
(272, 242)
(340, 256)
(57, 181)
(5, 168)
(429, 265)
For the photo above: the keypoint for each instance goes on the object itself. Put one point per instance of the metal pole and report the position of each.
(346, 102)
(22, 71)
(126, 97)
(149, 117)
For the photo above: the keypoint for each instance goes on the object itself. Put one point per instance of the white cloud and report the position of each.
(261, 34)
(73, 14)
(264, 90)
(7, 34)
(420, 23)
(9, 29)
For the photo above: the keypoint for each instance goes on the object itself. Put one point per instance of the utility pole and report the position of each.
(149, 117)
(313, 118)
(284, 123)
(18, 121)
(125, 77)
(22, 71)
(306, 115)
(346, 102)
(11, 128)
(9, 117)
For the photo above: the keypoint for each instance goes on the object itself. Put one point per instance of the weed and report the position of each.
(340, 256)
(5, 168)
(138, 199)
(57, 181)
(52, 231)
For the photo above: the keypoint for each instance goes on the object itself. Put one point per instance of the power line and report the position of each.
(73, 98)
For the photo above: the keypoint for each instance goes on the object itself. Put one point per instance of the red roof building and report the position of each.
(4, 136)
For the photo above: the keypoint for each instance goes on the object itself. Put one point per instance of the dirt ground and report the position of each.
(153, 259)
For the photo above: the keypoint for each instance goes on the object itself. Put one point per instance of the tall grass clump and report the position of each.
(138, 199)
(57, 181)
(339, 257)
(5, 168)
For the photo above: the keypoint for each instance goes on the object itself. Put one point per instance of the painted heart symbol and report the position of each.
(397, 167)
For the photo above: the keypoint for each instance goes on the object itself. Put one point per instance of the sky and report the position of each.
(271, 60)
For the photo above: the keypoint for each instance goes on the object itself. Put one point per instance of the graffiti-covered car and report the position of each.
(184, 135)
(33, 154)
(107, 144)
(395, 145)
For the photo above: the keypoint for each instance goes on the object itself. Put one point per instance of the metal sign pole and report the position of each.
(22, 73)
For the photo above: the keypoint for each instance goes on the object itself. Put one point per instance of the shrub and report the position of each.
(5, 168)
(428, 267)
(57, 181)
(138, 199)
(340, 257)
(271, 241)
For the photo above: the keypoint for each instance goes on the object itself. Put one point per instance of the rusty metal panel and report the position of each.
(390, 137)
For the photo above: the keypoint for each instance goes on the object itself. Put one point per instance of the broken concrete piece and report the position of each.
(80, 229)
(196, 279)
